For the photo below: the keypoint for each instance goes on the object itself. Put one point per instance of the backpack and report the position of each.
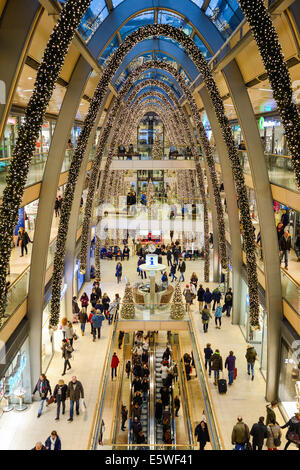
(205, 316)
(228, 297)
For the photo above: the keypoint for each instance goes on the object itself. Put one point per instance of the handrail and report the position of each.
(116, 406)
(93, 436)
(151, 402)
(206, 382)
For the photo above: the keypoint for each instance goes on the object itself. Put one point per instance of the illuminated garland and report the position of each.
(47, 74)
(112, 65)
(272, 56)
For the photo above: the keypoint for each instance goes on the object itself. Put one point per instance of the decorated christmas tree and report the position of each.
(157, 151)
(128, 308)
(150, 198)
(177, 308)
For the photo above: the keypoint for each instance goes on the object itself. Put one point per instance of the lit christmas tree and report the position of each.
(150, 198)
(157, 151)
(128, 308)
(177, 308)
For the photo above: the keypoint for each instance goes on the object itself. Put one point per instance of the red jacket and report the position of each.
(114, 362)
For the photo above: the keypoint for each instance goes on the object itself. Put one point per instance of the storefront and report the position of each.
(272, 135)
(290, 218)
(9, 139)
(289, 379)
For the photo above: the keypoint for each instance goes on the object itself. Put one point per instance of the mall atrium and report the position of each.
(149, 180)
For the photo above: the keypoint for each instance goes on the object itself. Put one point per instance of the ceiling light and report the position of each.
(264, 89)
(29, 78)
(27, 90)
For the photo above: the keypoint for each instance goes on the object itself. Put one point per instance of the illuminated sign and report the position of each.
(15, 379)
(262, 123)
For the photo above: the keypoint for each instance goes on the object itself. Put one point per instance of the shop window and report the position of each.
(289, 380)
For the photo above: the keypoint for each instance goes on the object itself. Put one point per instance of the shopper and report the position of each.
(23, 240)
(240, 434)
(251, 357)
(118, 274)
(97, 320)
(216, 365)
(69, 332)
(164, 279)
(205, 315)
(60, 395)
(188, 297)
(175, 371)
(216, 296)
(39, 446)
(136, 427)
(228, 301)
(230, 364)
(75, 309)
(128, 368)
(207, 297)
(92, 313)
(274, 435)
(53, 442)
(145, 388)
(208, 352)
(218, 316)
(112, 309)
(181, 269)
(158, 411)
(200, 295)
(165, 395)
(201, 432)
(173, 271)
(194, 280)
(94, 297)
(120, 339)
(43, 387)
(105, 304)
(67, 350)
(271, 415)
(74, 392)
(293, 432)
(285, 248)
(169, 257)
(124, 414)
(83, 318)
(176, 405)
(259, 433)
(97, 287)
(114, 365)
(84, 301)
(126, 252)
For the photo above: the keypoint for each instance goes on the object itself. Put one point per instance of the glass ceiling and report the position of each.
(164, 77)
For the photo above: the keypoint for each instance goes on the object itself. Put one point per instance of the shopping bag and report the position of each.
(83, 405)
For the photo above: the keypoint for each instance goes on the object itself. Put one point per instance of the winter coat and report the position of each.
(218, 313)
(140, 439)
(259, 433)
(75, 391)
(124, 414)
(240, 434)
(75, 307)
(119, 270)
(158, 410)
(69, 331)
(105, 302)
(228, 298)
(67, 350)
(270, 415)
(188, 295)
(202, 434)
(208, 353)
(274, 432)
(216, 362)
(84, 301)
(205, 314)
(63, 389)
(293, 425)
(136, 412)
(182, 267)
(251, 355)
(97, 320)
(164, 372)
(114, 362)
(207, 297)
(145, 386)
(94, 298)
(200, 294)
(136, 427)
(216, 295)
(137, 385)
(57, 444)
(83, 318)
(173, 269)
(230, 362)
(285, 243)
(43, 387)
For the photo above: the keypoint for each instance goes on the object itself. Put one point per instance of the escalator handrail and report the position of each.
(117, 407)
(173, 426)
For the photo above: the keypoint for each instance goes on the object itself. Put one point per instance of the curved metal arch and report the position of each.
(204, 27)
(165, 47)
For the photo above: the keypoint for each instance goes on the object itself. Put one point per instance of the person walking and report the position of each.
(200, 295)
(118, 274)
(175, 371)
(271, 415)
(128, 368)
(69, 332)
(228, 301)
(23, 240)
(259, 433)
(205, 315)
(194, 280)
(188, 297)
(293, 432)
(216, 296)
(84, 301)
(251, 356)
(216, 365)
(176, 405)
(75, 309)
(207, 297)
(181, 268)
(92, 313)
(218, 316)
(169, 257)
(114, 364)
(43, 387)
(120, 339)
(74, 392)
(53, 442)
(83, 318)
(274, 435)
(57, 206)
(173, 271)
(124, 415)
(112, 309)
(201, 432)
(158, 411)
(208, 352)
(105, 304)
(230, 364)
(60, 395)
(285, 248)
(67, 350)
(94, 297)
(240, 434)
(97, 320)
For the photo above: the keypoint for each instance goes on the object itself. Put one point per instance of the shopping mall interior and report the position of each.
(149, 180)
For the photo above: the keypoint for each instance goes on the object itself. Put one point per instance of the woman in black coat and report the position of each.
(201, 432)
(60, 395)
(158, 410)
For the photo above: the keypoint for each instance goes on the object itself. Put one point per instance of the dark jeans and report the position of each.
(209, 365)
(169, 262)
(214, 305)
(228, 310)
(59, 402)
(176, 410)
(22, 249)
(205, 327)
(82, 326)
(202, 445)
(112, 372)
(67, 363)
(72, 408)
(123, 423)
(99, 332)
(216, 321)
(256, 446)
(144, 275)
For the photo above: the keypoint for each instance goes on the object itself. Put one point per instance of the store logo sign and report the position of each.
(2, 92)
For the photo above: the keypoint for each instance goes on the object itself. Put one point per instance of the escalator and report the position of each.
(158, 384)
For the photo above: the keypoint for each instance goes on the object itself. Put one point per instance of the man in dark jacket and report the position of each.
(251, 358)
(181, 268)
(164, 393)
(230, 364)
(216, 364)
(200, 295)
(169, 257)
(97, 320)
(259, 433)
(83, 318)
(208, 352)
(60, 395)
(43, 387)
(136, 426)
(74, 392)
(228, 301)
(216, 296)
(285, 247)
(124, 413)
(240, 434)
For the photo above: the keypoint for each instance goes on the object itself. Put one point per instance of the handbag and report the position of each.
(248, 446)
(293, 436)
(276, 440)
(75, 337)
(51, 400)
